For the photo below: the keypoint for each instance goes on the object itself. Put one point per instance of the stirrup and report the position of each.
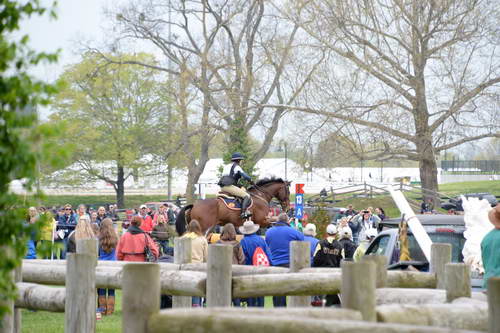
(246, 215)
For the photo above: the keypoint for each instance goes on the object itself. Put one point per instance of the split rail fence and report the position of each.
(373, 299)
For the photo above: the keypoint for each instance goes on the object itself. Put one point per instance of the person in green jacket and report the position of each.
(296, 224)
(490, 247)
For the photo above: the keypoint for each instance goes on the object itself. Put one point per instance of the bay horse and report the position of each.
(210, 212)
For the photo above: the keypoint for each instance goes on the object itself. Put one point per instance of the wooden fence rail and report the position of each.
(219, 281)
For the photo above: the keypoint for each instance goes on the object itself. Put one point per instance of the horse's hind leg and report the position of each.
(210, 230)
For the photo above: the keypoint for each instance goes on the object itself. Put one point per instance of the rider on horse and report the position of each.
(231, 175)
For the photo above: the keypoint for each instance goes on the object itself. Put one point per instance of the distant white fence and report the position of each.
(445, 179)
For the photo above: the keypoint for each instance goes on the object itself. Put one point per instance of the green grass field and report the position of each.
(51, 322)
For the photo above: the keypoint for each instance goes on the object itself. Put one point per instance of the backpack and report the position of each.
(260, 258)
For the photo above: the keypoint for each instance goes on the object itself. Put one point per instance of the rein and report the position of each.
(258, 188)
(261, 190)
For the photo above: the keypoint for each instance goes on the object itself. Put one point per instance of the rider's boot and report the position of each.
(244, 206)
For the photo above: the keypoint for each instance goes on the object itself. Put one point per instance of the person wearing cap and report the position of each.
(329, 253)
(147, 221)
(229, 182)
(370, 235)
(490, 247)
(278, 239)
(310, 236)
(346, 241)
(249, 243)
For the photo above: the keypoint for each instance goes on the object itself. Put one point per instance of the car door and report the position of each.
(383, 244)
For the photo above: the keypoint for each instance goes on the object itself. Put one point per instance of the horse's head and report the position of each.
(277, 188)
(284, 196)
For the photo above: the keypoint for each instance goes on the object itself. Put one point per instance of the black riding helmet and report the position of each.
(237, 157)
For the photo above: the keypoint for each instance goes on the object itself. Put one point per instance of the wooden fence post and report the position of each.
(358, 288)
(300, 257)
(219, 275)
(88, 246)
(141, 296)
(80, 303)
(18, 277)
(493, 285)
(380, 269)
(7, 323)
(457, 279)
(182, 255)
(440, 256)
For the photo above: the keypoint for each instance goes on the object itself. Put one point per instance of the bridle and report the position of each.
(265, 192)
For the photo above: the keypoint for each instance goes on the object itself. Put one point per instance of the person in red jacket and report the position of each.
(132, 243)
(147, 222)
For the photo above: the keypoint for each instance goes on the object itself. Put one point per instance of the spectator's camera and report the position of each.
(366, 212)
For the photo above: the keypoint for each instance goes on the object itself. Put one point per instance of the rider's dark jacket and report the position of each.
(232, 174)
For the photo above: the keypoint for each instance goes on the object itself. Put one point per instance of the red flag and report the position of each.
(299, 188)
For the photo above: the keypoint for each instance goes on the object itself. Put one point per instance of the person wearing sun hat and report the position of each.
(490, 247)
(250, 243)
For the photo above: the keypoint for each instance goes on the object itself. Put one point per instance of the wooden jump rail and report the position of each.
(365, 287)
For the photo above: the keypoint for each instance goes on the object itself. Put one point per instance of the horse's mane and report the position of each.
(265, 181)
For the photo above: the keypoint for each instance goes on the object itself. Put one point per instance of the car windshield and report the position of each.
(455, 240)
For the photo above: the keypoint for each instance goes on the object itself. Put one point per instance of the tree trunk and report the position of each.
(194, 173)
(169, 181)
(428, 174)
(196, 169)
(120, 188)
(190, 187)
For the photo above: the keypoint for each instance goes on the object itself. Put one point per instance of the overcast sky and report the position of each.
(83, 20)
(77, 20)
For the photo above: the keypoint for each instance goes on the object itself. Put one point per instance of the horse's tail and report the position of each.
(183, 219)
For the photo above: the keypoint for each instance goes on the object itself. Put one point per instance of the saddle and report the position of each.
(231, 202)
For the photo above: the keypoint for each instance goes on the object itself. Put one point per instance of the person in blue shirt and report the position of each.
(66, 223)
(278, 239)
(310, 236)
(250, 242)
(108, 240)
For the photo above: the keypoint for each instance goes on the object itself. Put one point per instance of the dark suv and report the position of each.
(440, 228)
(456, 203)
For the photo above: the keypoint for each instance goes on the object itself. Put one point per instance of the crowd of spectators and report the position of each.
(151, 230)
(61, 227)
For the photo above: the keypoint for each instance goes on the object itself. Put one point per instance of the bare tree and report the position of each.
(237, 55)
(416, 71)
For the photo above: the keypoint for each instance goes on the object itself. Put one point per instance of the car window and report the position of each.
(379, 245)
(416, 253)
(456, 241)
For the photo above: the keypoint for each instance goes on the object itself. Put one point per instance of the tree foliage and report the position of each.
(116, 117)
(20, 95)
